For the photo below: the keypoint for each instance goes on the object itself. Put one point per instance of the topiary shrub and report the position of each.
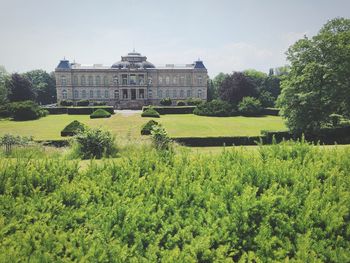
(100, 113)
(150, 112)
(83, 103)
(194, 102)
(217, 108)
(66, 103)
(181, 103)
(73, 128)
(95, 143)
(26, 110)
(99, 103)
(165, 102)
(146, 129)
(250, 106)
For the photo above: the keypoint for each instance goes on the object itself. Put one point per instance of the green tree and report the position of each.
(43, 85)
(19, 88)
(257, 77)
(212, 93)
(3, 90)
(318, 83)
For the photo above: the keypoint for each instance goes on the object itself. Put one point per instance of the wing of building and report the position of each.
(130, 83)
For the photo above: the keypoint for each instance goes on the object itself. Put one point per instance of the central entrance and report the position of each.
(133, 94)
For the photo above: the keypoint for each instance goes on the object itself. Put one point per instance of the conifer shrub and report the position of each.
(146, 128)
(26, 110)
(100, 113)
(165, 102)
(73, 128)
(150, 112)
(216, 108)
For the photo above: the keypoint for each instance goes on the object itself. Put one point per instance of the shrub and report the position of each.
(150, 112)
(9, 140)
(100, 113)
(181, 103)
(146, 129)
(160, 138)
(266, 99)
(88, 110)
(26, 110)
(5, 111)
(95, 143)
(73, 128)
(166, 102)
(172, 109)
(83, 103)
(100, 103)
(214, 108)
(66, 103)
(335, 119)
(250, 106)
(194, 101)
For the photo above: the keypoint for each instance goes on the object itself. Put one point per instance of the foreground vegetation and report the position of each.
(282, 202)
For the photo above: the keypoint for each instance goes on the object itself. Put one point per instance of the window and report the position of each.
(189, 93)
(182, 80)
(76, 94)
(82, 80)
(141, 79)
(150, 80)
(188, 80)
(181, 93)
(167, 80)
(98, 80)
(141, 93)
(105, 80)
(116, 94)
(175, 80)
(174, 93)
(160, 80)
(63, 81)
(106, 93)
(199, 93)
(125, 93)
(91, 94)
(160, 93)
(199, 80)
(75, 80)
(91, 81)
(150, 94)
(98, 94)
(132, 79)
(124, 79)
(64, 94)
(115, 80)
(83, 94)
(167, 94)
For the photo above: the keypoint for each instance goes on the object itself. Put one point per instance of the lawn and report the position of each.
(185, 125)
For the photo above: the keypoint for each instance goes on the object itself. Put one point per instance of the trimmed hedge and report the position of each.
(217, 108)
(271, 111)
(88, 110)
(219, 141)
(181, 103)
(54, 143)
(172, 109)
(146, 129)
(72, 128)
(66, 103)
(58, 110)
(83, 103)
(100, 113)
(166, 102)
(100, 103)
(150, 112)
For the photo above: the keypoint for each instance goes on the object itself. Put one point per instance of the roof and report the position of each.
(64, 64)
(199, 64)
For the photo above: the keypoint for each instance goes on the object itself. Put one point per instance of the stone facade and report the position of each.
(130, 83)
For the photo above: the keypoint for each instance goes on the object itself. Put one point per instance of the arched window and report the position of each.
(105, 80)
(91, 81)
(160, 93)
(188, 80)
(75, 80)
(98, 80)
(63, 81)
(83, 94)
(76, 94)
(64, 94)
(181, 93)
(167, 80)
(116, 94)
(106, 93)
(160, 80)
(199, 93)
(167, 94)
(98, 94)
(91, 94)
(182, 80)
(175, 80)
(115, 80)
(82, 80)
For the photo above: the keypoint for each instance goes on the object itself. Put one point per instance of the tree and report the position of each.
(19, 88)
(249, 106)
(318, 84)
(257, 77)
(236, 86)
(43, 85)
(212, 91)
(3, 89)
(266, 99)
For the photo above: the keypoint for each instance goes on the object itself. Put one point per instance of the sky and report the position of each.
(227, 35)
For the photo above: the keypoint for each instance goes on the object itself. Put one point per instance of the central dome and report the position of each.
(133, 60)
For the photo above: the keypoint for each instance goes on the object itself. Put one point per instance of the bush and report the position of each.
(335, 119)
(150, 112)
(5, 111)
(194, 102)
(181, 103)
(146, 129)
(83, 103)
(66, 103)
(88, 110)
(219, 141)
(100, 103)
(26, 110)
(250, 106)
(165, 102)
(100, 113)
(57, 110)
(266, 99)
(160, 138)
(95, 143)
(214, 108)
(73, 128)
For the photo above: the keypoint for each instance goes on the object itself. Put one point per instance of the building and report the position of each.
(130, 83)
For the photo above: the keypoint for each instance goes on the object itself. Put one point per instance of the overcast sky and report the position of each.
(228, 35)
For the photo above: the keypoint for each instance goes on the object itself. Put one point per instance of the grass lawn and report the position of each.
(182, 125)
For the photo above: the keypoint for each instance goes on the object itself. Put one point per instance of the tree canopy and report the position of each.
(20, 88)
(318, 84)
(44, 86)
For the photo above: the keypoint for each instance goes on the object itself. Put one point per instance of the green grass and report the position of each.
(182, 125)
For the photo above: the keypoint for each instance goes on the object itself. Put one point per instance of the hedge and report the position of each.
(271, 111)
(219, 141)
(72, 128)
(54, 143)
(58, 110)
(172, 109)
(100, 113)
(146, 129)
(88, 110)
(83, 103)
(150, 112)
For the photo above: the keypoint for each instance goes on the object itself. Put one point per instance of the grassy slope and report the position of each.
(129, 126)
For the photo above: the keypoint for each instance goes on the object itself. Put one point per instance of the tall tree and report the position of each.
(236, 86)
(3, 89)
(43, 85)
(257, 77)
(212, 92)
(318, 84)
(19, 88)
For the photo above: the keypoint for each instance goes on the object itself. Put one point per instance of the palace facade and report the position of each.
(130, 83)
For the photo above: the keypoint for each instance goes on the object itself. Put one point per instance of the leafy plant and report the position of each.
(100, 113)
(73, 128)
(26, 110)
(150, 112)
(250, 106)
(160, 138)
(146, 128)
(165, 102)
(214, 108)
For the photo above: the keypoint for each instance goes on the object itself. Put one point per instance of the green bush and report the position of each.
(194, 102)
(250, 106)
(83, 103)
(5, 111)
(160, 138)
(95, 143)
(214, 108)
(100, 113)
(88, 110)
(26, 110)
(146, 129)
(73, 128)
(150, 112)
(266, 99)
(335, 119)
(66, 103)
(165, 102)
(99, 103)
(181, 103)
